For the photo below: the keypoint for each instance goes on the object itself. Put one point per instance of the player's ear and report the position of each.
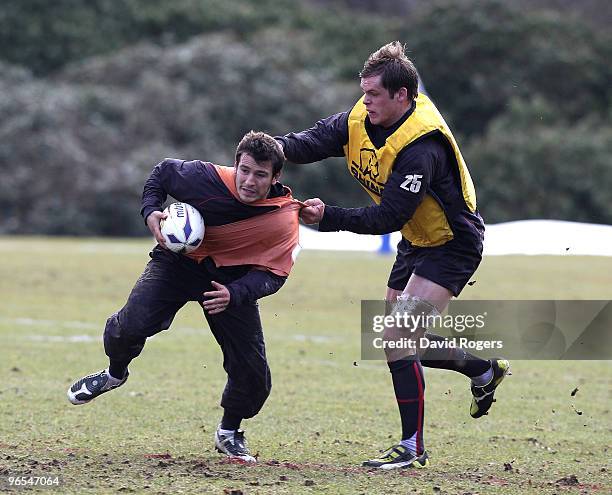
(276, 177)
(402, 95)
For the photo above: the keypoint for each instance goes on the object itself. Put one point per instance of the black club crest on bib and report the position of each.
(368, 163)
(367, 171)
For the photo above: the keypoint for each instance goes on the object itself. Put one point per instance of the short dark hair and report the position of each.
(396, 69)
(262, 147)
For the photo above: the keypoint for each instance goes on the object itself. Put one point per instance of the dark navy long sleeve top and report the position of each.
(197, 183)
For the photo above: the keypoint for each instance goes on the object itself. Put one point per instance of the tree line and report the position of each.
(93, 94)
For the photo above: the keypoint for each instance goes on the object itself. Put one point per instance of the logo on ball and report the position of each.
(183, 228)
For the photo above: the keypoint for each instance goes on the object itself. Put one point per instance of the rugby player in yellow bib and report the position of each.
(402, 152)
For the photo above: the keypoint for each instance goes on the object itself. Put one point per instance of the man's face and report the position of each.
(253, 180)
(383, 109)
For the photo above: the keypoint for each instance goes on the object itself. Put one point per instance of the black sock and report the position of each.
(409, 387)
(230, 421)
(452, 359)
(118, 369)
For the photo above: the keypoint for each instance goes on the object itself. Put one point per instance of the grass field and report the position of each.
(328, 410)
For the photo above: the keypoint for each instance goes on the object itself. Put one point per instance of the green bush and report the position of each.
(45, 36)
(476, 56)
(76, 151)
(98, 92)
(531, 163)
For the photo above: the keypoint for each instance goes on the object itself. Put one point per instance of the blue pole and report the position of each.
(385, 245)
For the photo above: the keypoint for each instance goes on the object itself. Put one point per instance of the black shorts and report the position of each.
(450, 265)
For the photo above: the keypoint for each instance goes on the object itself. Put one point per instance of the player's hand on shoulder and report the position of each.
(313, 211)
(218, 299)
(153, 222)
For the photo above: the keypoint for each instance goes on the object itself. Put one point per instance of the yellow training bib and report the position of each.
(371, 167)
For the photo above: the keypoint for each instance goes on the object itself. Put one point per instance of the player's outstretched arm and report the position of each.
(325, 139)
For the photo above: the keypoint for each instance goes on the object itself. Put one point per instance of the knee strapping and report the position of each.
(412, 315)
(421, 312)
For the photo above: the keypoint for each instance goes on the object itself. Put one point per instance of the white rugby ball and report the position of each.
(183, 228)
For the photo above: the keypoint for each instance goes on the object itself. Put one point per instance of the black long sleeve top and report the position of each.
(430, 156)
(197, 183)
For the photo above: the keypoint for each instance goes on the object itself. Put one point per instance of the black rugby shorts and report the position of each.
(450, 265)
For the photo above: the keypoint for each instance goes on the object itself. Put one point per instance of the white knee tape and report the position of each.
(419, 308)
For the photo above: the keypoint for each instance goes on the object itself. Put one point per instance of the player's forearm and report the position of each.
(153, 194)
(368, 220)
(303, 148)
(184, 181)
(404, 191)
(253, 286)
(325, 139)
